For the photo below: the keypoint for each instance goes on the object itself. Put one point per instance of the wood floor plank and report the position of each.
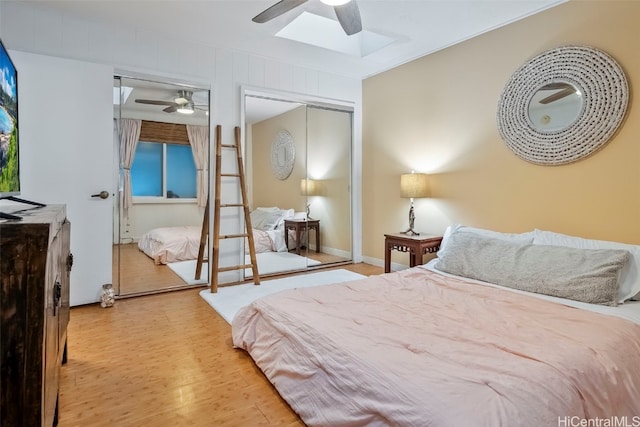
(164, 360)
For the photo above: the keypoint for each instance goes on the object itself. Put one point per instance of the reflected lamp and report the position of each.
(412, 186)
(309, 187)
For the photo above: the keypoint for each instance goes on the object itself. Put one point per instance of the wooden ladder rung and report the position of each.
(234, 175)
(233, 205)
(234, 236)
(228, 145)
(235, 267)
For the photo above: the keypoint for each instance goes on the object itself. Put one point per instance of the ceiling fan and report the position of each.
(182, 103)
(563, 90)
(347, 13)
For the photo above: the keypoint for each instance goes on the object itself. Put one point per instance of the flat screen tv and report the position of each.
(9, 137)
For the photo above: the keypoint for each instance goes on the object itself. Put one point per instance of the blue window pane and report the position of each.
(146, 170)
(181, 172)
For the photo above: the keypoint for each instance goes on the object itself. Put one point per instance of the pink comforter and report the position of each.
(416, 348)
(171, 244)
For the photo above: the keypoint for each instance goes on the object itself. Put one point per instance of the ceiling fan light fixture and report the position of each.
(184, 97)
(185, 109)
(335, 2)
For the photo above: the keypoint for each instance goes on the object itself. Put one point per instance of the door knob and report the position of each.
(103, 194)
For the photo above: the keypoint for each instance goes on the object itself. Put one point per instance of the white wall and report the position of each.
(29, 27)
(146, 216)
(66, 156)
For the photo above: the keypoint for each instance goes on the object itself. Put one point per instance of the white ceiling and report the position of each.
(156, 91)
(419, 27)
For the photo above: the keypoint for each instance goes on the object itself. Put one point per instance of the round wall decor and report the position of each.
(563, 105)
(283, 155)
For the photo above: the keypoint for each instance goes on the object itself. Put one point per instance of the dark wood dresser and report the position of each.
(35, 263)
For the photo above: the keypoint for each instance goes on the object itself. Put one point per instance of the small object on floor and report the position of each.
(108, 297)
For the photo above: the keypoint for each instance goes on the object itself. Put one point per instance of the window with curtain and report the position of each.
(163, 170)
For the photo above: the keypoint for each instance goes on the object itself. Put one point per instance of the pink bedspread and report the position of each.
(416, 348)
(171, 244)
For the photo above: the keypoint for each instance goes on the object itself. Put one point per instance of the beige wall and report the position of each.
(329, 161)
(323, 152)
(267, 190)
(438, 115)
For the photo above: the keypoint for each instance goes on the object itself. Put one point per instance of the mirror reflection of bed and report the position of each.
(157, 238)
(283, 203)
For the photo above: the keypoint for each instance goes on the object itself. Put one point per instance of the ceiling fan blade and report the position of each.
(349, 17)
(558, 95)
(171, 108)
(154, 102)
(276, 10)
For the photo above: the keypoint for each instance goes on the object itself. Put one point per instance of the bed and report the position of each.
(181, 243)
(557, 341)
(171, 244)
(268, 229)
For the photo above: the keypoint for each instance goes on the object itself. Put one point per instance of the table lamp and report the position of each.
(413, 185)
(309, 187)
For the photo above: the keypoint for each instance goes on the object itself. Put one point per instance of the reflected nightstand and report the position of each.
(300, 225)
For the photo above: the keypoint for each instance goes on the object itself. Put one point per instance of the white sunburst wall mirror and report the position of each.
(283, 155)
(563, 105)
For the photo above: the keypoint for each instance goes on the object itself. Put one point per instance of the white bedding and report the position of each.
(171, 244)
(268, 241)
(268, 229)
(630, 310)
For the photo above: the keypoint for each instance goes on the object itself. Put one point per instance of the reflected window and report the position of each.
(163, 170)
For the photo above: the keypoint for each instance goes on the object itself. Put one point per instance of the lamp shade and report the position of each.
(414, 185)
(308, 187)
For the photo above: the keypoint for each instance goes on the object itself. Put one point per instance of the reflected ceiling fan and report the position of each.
(347, 13)
(563, 90)
(182, 103)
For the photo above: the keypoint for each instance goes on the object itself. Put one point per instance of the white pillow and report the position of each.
(270, 218)
(519, 238)
(629, 282)
(284, 214)
(265, 220)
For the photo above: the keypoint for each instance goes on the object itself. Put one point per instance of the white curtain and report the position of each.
(130, 133)
(199, 140)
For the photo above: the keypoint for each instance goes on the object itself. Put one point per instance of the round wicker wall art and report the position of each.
(283, 155)
(595, 81)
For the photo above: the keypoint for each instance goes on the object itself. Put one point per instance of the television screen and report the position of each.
(9, 160)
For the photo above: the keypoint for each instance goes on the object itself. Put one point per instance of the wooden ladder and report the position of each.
(215, 266)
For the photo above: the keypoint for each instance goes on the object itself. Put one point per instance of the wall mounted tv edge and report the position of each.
(4, 215)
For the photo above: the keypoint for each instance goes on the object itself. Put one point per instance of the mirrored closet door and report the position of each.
(298, 163)
(161, 140)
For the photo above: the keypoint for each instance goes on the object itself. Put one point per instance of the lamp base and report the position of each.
(412, 218)
(309, 211)
(410, 232)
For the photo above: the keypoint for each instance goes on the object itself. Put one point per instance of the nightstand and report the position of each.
(299, 225)
(417, 246)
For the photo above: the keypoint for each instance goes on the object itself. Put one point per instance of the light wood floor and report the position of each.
(140, 274)
(164, 360)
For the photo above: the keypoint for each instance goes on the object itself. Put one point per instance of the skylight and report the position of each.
(324, 32)
(126, 91)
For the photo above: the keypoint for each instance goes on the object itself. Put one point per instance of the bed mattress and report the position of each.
(171, 244)
(418, 348)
